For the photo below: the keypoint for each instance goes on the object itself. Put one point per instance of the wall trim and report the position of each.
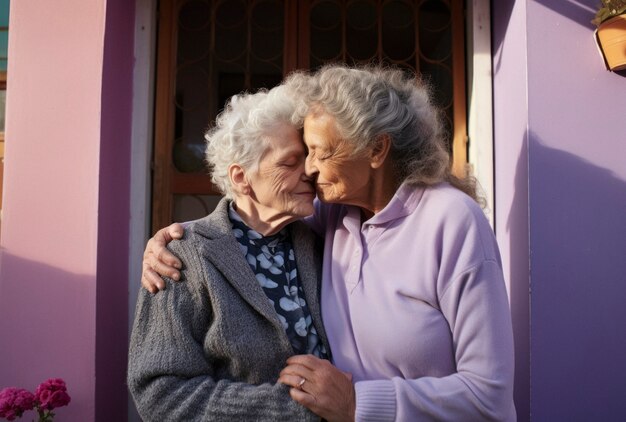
(141, 153)
(479, 99)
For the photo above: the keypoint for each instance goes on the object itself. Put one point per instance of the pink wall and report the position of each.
(65, 195)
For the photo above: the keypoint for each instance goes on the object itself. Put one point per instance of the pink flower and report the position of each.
(51, 394)
(14, 402)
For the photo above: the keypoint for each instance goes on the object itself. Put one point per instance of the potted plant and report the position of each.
(611, 33)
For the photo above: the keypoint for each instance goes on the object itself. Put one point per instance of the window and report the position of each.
(209, 50)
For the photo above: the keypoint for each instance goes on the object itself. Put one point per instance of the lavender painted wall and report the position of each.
(511, 177)
(561, 144)
(63, 288)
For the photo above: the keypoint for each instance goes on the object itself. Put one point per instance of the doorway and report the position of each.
(208, 50)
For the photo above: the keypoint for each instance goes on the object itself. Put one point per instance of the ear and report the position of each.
(379, 152)
(237, 176)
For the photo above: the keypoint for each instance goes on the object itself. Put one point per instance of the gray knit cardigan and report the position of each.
(211, 347)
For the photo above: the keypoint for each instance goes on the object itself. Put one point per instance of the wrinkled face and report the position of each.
(280, 184)
(339, 175)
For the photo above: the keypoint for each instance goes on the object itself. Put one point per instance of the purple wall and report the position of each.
(560, 151)
(114, 212)
(561, 173)
(65, 217)
(511, 178)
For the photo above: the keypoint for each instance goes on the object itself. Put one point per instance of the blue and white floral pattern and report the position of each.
(273, 262)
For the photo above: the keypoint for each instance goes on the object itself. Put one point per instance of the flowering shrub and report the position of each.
(49, 395)
(14, 402)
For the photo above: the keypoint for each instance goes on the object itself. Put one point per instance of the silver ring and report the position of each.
(301, 383)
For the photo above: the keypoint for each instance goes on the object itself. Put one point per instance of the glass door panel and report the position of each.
(209, 50)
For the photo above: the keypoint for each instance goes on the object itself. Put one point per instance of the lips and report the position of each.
(309, 189)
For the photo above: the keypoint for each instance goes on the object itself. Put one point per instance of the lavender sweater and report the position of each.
(415, 307)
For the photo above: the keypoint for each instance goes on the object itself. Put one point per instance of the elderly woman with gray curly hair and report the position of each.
(212, 348)
(413, 295)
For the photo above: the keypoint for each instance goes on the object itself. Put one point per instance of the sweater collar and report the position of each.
(403, 203)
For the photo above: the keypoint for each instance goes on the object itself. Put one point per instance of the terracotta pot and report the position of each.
(611, 38)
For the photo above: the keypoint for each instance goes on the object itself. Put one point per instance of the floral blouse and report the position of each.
(272, 260)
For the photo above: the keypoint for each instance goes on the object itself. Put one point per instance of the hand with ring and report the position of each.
(300, 384)
(320, 387)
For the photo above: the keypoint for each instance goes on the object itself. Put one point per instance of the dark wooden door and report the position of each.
(209, 50)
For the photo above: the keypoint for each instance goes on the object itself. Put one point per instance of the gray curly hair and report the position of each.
(370, 101)
(241, 132)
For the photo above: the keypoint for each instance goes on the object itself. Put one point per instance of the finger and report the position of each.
(165, 235)
(175, 230)
(166, 258)
(157, 245)
(162, 269)
(305, 399)
(148, 286)
(293, 381)
(151, 280)
(308, 361)
(298, 371)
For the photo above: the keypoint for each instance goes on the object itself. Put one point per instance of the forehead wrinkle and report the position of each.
(329, 139)
(291, 150)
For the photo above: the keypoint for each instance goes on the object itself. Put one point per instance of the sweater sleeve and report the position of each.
(319, 219)
(476, 308)
(171, 377)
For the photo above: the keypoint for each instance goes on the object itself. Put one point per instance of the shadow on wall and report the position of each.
(579, 11)
(578, 287)
(517, 226)
(500, 17)
(47, 330)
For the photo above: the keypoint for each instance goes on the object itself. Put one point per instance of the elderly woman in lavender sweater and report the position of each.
(413, 296)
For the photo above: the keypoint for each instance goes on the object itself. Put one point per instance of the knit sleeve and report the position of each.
(476, 308)
(171, 377)
(318, 221)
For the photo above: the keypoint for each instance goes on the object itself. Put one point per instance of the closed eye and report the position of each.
(289, 163)
(292, 161)
(323, 157)
(315, 155)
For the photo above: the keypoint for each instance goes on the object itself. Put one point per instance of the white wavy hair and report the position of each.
(370, 101)
(241, 132)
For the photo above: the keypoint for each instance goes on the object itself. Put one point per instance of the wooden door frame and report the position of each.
(163, 115)
(165, 176)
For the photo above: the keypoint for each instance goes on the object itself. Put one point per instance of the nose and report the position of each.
(305, 177)
(303, 174)
(309, 167)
